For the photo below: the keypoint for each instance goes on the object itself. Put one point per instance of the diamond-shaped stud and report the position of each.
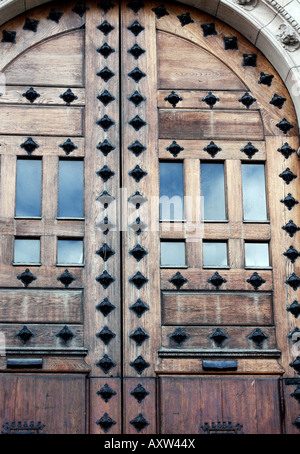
(105, 27)
(25, 335)
(216, 280)
(138, 173)
(136, 74)
(210, 100)
(68, 146)
(136, 28)
(174, 149)
(137, 123)
(293, 281)
(289, 201)
(105, 147)
(139, 280)
(105, 252)
(288, 176)
(29, 146)
(137, 148)
(105, 173)
(212, 149)
(285, 126)
(105, 279)
(80, 9)
(135, 5)
(106, 364)
(137, 199)
(286, 150)
(55, 15)
(231, 43)
(250, 60)
(106, 423)
(106, 393)
(250, 150)
(136, 98)
(292, 254)
(139, 308)
(138, 226)
(294, 309)
(65, 334)
(278, 101)
(209, 29)
(139, 336)
(178, 280)
(105, 307)
(105, 198)
(139, 364)
(256, 281)
(266, 79)
(296, 364)
(136, 51)
(106, 74)
(9, 37)
(31, 25)
(296, 394)
(105, 123)
(185, 19)
(173, 98)
(218, 336)
(291, 228)
(296, 423)
(179, 336)
(106, 335)
(294, 335)
(138, 252)
(106, 50)
(106, 98)
(26, 278)
(66, 278)
(106, 5)
(139, 423)
(258, 337)
(247, 100)
(139, 393)
(160, 11)
(31, 95)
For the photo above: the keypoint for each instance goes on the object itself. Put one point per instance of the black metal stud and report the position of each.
(136, 28)
(106, 97)
(292, 254)
(256, 281)
(139, 423)
(137, 199)
(247, 100)
(278, 101)
(139, 364)
(105, 147)
(179, 336)
(80, 9)
(106, 28)
(138, 280)
(178, 280)
(139, 393)
(9, 37)
(105, 50)
(29, 146)
(68, 97)
(266, 79)
(31, 95)
(294, 335)
(294, 309)
(106, 364)
(250, 150)
(209, 29)
(138, 226)
(285, 126)
(173, 98)
(296, 394)
(185, 19)
(68, 146)
(55, 15)
(136, 98)
(293, 281)
(139, 308)
(66, 278)
(288, 176)
(286, 150)
(258, 337)
(31, 25)
(218, 336)
(210, 100)
(136, 74)
(291, 228)
(105, 279)
(105, 252)
(138, 252)
(105, 225)
(160, 11)
(136, 51)
(137, 173)
(289, 201)
(25, 335)
(106, 74)
(106, 393)
(137, 148)
(106, 423)
(231, 43)
(296, 364)
(26, 278)
(212, 149)
(139, 336)
(137, 123)
(105, 123)
(216, 280)
(105, 173)
(105, 307)
(105, 5)
(296, 423)
(135, 5)
(250, 60)
(174, 149)
(105, 198)
(106, 335)
(65, 334)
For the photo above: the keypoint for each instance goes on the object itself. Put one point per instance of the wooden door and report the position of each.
(146, 316)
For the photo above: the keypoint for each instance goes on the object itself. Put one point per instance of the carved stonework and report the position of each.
(288, 37)
(247, 4)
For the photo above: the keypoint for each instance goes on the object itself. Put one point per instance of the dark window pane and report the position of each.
(29, 183)
(69, 252)
(27, 251)
(171, 191)
(215, 254)
(257, 254)
(254, 192)
(70, 192)
(172, 253)
(213, 192)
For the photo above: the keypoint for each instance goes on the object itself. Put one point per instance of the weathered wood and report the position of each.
(99, 407)
(48, 96)
(11, 145)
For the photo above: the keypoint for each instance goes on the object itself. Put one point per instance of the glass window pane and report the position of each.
(27, 251)
(215, 254)
(172, 253)
(171, 191)
(254, 192)
(70, 192)
(213, 192)
(257, 254)
(28, 191)
(69, 252)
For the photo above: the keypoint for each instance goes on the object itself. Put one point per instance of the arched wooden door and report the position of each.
(105, 107)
